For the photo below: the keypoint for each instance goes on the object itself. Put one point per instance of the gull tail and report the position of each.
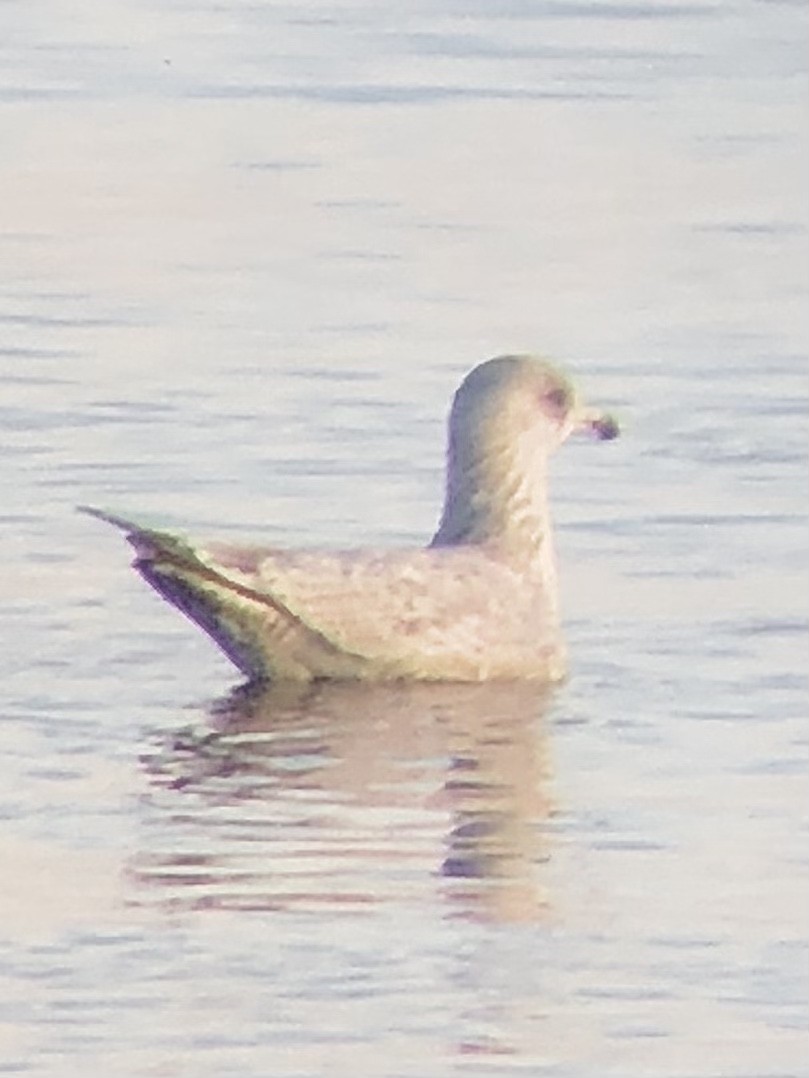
(156, 550)
(260, 634)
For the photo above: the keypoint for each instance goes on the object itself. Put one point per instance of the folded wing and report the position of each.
(446, 613)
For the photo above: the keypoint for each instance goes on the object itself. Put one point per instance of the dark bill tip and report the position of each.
(606, 428)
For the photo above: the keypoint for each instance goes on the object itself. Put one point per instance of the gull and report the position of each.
(478, 603)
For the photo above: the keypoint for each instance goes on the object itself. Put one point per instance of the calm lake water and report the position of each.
(248, 250)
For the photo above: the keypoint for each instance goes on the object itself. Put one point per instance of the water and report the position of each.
(248, 251)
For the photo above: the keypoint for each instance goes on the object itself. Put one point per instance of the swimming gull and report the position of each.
(478, 603)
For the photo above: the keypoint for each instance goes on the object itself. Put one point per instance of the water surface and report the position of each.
(248, 252)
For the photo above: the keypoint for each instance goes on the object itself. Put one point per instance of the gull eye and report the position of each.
(558, 399)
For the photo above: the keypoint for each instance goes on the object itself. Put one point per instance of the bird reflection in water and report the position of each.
(349, 795)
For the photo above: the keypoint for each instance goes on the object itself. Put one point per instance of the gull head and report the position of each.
(516, 397)
(508, 415)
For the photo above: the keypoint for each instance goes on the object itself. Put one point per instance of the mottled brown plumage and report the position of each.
(480, 602)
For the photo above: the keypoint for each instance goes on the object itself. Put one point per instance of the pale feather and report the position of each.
(480, 602)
